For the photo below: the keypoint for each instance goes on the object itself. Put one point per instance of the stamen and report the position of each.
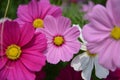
(38, 23)
(13, 52)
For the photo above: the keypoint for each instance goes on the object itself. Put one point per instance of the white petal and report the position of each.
(80, 62)
(83, 47)
(86, 73)
(81, 37)
(100, 71)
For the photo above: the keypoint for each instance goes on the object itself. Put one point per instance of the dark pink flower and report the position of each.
(35, 12)
(22, 53)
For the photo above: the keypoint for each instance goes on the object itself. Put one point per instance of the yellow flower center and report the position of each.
(13, 52)
(91, 55)
(58, 40)
(38, 23)
(115, 33)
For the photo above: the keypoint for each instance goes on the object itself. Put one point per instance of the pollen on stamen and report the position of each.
(58, 40)
(13, 52)
(115, 33)
(38, 23)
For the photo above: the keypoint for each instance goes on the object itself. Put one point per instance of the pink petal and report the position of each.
(37, 43)
(74, 46)
(93, 35)
(44, 8)
(66, 53)
(46, 1)
(71, 34)
(116, 55)
(11, 33)
(27, 32)
(24, 13)
(33, 9)
(48, 9)
(100, 14)
(3, 61)
(20, 72)
(113, 7)
(55, 11)
(105, 57)
(33, 62)
(48, 34)
(63, 24)
(4, 73)
(51, 24)
(53, 55)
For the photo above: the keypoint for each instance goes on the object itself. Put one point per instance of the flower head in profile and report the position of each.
(22, 53)
(35, 11)
(86, 61)
(103, 33)
(62, 39)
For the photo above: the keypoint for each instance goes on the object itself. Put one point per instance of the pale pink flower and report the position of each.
(103, 33)
(62, 39)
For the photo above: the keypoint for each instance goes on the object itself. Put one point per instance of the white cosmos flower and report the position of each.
(85, 62)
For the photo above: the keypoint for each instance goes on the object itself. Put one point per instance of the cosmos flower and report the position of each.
(103, 33)
(22, 53)
(86, 62)
(62, 39)
(87, 8)
(35, 12)
(68, 73)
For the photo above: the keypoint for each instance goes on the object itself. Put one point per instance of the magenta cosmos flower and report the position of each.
(35, 12)
(62, 39)
(103, 33)
(22, 52)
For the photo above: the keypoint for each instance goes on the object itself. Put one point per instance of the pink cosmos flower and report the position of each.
(22, 52)
(103, 33)
(87, 8)
(62, 39)
(35, 12)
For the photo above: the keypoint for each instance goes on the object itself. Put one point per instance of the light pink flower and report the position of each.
(103, 33)
(87, 8)
(35, 12)
(22, 52)
(62, 39)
